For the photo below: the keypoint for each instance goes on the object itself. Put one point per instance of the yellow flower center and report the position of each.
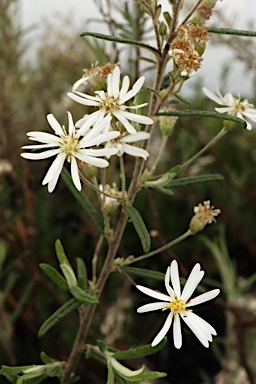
(110, 104)
(177, 305)
(69, 145)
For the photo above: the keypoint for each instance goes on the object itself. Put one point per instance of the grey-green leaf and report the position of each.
(111, 375)
(145, 273)
(140, 227)
(82, 279)
(135, 353)
(55, 276)
(148, 376)
(122, 40)
(184, 181)
(83, 201)
(58, 315)
(82, 296)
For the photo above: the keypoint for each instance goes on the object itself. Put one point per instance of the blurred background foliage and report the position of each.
(32, 219)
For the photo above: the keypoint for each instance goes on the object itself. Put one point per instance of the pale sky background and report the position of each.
(31, 12)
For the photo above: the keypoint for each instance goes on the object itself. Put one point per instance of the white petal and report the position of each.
(125, 87)
(75, 174)
(99, 152)
(203, 297)
(137, 118)
(79, 82)
(38, 146)
(41, 155)
(135, 89)
(101, 138)
(86, 122)
(100, 163)
(83, 100)
(224, 109)
(204, 325)
(175, 279)
(193, 325)
(193, 280)
(164, 330)
(151, 307)
(248, 125)
(167, 285)
(44, 137)
(136, 137)
(153, 293)
(98, 127)
(135, 106)
(71, 127)
(55, 169)
(135, 151)
(54, 124)
(177, 337)
(116, 81)
(212, 96)
(119, 115)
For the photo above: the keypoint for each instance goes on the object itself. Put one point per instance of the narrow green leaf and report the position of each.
(140, 227)
(102, 345)
(83, 201)
(46, 359)
(237, 32)
(147, 60)
(122, 40)
(54, 275)
(15, 370)
(111, 375)
(148, 376)
(184, 181)
(154, 91)
(82, 279)
(82, 296)
(58, 315)
(165, 191)
(145, 273)
(183, 99)
(135, 353)
(121, 380)
(197, 113)
(61, 253)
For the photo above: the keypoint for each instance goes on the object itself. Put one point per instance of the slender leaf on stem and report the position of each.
(135, 353)
(61, 253)
(184, 181)
(140, 227)
(111, 374)
(83, 201)
(227, 31)
(82, 278)
(82, 296)
(58, 315)
(145, 273)
(122, 40)
(55, 276)
(153, 375)
(197, 113)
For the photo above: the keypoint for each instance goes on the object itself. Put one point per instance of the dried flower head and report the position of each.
(185, 57)
(195, 33)
(204, 214)
(204, 11)
(100, 70)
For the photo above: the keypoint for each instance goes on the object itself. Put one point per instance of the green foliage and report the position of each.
(139, 226)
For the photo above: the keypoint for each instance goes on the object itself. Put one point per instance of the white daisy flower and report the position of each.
(71, 146)
(113, 101)
(121, 143)
(179, 305)
(233, 106)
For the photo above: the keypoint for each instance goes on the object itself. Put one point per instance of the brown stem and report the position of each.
(191, 12)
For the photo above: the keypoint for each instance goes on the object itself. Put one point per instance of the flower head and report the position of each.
(123, 146)
(233, 106)
(204, 214)
(71, 146)
(113, 101)
(178, 304)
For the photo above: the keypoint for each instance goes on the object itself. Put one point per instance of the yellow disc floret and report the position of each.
(69, 145)
(177, 305)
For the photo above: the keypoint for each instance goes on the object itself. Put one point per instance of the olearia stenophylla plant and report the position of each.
(118, 117)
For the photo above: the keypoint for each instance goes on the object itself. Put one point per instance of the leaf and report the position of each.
(111, 374)
(82, 279)
(197, 113)
(22, 301)
(102, 345)
(184, 181)
(84, 202)
(82, 296)
(135, 353)
(58, 315)
(54, 275)
(145, 273)
(122, 41)
(165, 191)
(61, 253)
(140, 227)
(46, 359)
(148, 376)
(237, 32)
(183, 99)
